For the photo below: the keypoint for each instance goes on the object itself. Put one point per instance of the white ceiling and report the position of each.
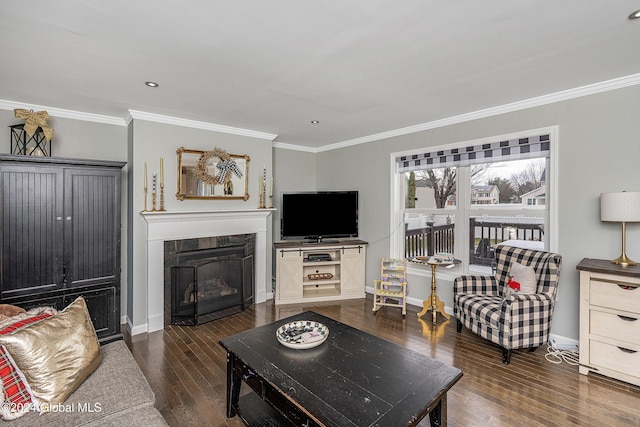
(360, 67)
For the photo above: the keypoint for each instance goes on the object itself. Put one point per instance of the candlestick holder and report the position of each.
(145, 199)
(270, 202)
(262, 206)
(153, 202)
(162, 209)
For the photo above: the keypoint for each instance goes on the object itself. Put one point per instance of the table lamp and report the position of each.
(621, 207)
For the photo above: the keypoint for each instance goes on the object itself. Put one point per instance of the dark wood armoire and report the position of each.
(61, 235)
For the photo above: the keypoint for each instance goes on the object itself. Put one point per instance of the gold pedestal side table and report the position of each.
(433, 303)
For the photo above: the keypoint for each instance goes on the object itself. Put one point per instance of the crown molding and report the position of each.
(295, 147)
(62, 113)
(128, 118)
(141, 115)
(564, 95)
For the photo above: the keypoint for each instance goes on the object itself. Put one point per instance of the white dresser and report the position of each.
(610, 320)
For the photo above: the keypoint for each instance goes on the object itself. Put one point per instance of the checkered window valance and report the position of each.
(499, 151)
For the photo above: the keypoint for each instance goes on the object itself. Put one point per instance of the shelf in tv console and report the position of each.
(318, 257)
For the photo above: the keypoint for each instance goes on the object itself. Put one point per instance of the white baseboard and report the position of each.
(137, 330)
(564, 343)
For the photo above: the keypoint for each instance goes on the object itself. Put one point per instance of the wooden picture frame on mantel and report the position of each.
(199, 175)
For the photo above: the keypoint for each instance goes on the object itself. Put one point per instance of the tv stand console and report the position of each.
(319, 272)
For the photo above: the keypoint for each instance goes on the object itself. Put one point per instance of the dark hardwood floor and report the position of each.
(186, 368)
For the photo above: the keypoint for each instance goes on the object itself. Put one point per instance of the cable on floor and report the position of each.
(555, 355)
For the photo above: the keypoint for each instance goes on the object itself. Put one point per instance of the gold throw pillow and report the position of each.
(57, 354)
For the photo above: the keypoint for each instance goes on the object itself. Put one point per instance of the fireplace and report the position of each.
(207, 224)
(211, 282)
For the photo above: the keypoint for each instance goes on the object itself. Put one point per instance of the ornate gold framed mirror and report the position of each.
(215, 174)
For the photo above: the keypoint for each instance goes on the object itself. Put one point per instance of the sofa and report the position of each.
(54, 372)
(115, 394)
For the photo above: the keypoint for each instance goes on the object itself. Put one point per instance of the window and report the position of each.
(429, 221)
(467, 198)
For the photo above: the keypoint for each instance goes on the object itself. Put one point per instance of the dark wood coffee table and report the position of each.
(352, 379)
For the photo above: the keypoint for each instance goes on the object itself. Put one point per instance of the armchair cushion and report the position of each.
(545, 264)
(529, 317)
(476, 284)
(486, 309)
(526, 278)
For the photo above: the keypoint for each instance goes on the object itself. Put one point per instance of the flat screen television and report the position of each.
(318, 215)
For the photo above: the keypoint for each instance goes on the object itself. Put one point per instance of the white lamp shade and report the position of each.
(623, 206)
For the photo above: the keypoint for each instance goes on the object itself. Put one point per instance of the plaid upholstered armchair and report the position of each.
(485, 305)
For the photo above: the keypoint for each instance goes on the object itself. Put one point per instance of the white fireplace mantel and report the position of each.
(176, 225)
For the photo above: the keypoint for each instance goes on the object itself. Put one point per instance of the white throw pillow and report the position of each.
(525, 276)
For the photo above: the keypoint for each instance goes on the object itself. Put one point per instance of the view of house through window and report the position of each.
(483, 205)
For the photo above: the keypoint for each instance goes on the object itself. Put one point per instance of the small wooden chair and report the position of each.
(391, 288)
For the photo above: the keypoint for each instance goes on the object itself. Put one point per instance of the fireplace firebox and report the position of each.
(207, 284)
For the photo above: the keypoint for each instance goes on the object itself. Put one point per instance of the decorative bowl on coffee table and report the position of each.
(302, 334)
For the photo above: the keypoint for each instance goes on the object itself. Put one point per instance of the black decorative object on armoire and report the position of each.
(60, 235)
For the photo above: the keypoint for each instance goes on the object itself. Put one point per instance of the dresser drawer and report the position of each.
(611, 357)
(616, 296)
(623, 328)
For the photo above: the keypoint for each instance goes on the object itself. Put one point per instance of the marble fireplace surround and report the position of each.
(176, 225)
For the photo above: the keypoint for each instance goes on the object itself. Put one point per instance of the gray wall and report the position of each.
(128, 286)
(294, 171)
(599, 151)
(75, 138)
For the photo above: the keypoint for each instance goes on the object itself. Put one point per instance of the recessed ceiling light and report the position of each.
(635, 15)
(315, 122)
(151, 84)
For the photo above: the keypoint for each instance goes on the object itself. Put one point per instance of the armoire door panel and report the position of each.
(93, 226)
(31, 232)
